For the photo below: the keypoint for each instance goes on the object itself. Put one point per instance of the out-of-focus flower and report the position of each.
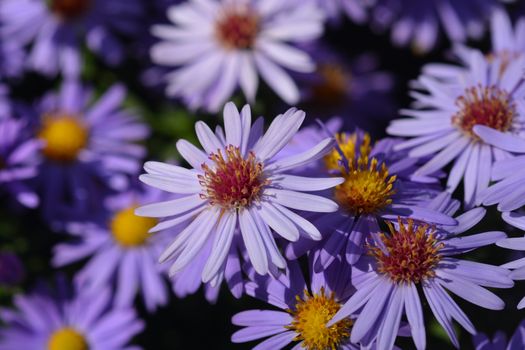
(499, 341)
(11, 269)
(12, 59)
(19, 160)
(458, 101)
(355, 9)
(379, 184)
(353, 89)
(55, 30)
(218, 46)
(507, 42)
(89, 146)
(419, 23)
(306, 308)
(57, 321)
(417, 255)
(121, 252)
(236, 183)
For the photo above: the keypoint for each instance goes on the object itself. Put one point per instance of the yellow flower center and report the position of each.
(64, 135)
(310, 317)
(489, 106)
(234, 182)
(332, 85)
(67, 339)
(130, 230)
(368, 187)
(411, 255)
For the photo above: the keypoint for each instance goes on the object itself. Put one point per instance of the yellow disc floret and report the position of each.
(67, 339)
(311, 314)
(368, 187)
(130, 230)
(64, 136)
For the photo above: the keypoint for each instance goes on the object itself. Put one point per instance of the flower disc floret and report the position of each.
(311, 314)
(410, 253)
(233, 182)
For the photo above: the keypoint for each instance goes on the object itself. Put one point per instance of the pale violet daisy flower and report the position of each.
(220, 45)
(236, 183)
(121, 252)
(452, 101)
(417, 257)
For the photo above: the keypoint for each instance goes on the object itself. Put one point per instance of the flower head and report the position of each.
(56, 321)
(306, 309)
(56, 29)
(229, 43)
(379, 184)
(235, 184)
(460, 101)
(89, 148)
(121, 252)
(500, 341)
(416, 255)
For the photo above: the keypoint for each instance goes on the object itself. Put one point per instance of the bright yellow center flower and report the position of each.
(65, 136)
(130, 230)
(310, 317)
(67, 339)
(368, 187)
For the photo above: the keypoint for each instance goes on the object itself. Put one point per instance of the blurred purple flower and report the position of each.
(56, 321)
(456, 102)
(414, 254)
(306, 308)
(11, 269)
(218, 46)
(335, 9)
(419, 23)
(355, 90)
(121, 252)
(55, 30)
(499, 341)
(19, 160)
(12, 59)
(235, 183)
(379, 185)
(90, 147)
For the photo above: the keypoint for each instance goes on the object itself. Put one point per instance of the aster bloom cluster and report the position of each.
(158, 158)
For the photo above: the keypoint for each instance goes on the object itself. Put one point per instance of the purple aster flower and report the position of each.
(11, 269)
(55, 30)
(506, 40)
(354, 89)
(335, 9)
(419, 23)
(413, 256)
(90, 147)
(218, 46)
(121, 251)
(379, 184)
(64, 320)
(19, 160)
(5, 104)
(453, 103)
(236, 183)
(305, 310)
(12, 59)
(499, 341)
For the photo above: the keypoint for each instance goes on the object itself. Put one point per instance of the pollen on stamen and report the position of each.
(233, 182)
(489, 106)
(409, 253)
(237, 28)
(311, 314)
(368, 186)
(67, 338)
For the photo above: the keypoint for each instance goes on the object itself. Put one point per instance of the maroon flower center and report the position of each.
(238, 30)
(69, 9)
(234, 182)
(489, 106)
(410, 253)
